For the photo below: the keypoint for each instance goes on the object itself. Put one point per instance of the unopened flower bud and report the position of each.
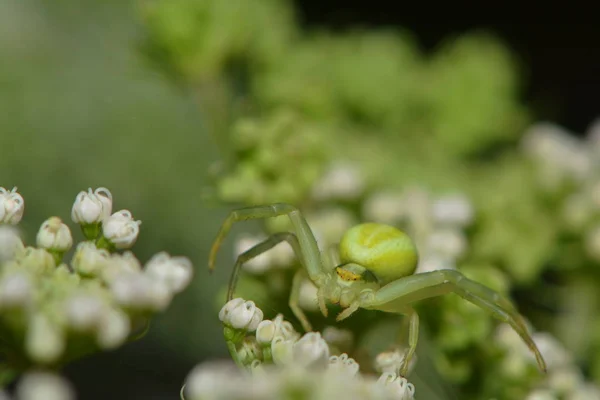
(282, 351)
(265, 332)
(89, 260)
(84, 312)
(54, 235)
(10, 243)
(121, 229)
(44, 342)
(114, 329)
(12, 206)
(15, 290)
(44, 386)
(311, 350)
(174, 272)
(240, 314)
(397, 385)
(92, 207)
(344, 364)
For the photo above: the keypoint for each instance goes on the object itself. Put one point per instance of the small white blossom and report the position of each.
(389, 361)
(12, 206)
(140, 292)
(541, 394)
(10, 243)
(454, 210)
(240, 314)
(450, 243)
(344, 365)
(119, 265)
(267, 330)
(44, 386)
(16, 290)
(282, 351)
(92, 207)
(114, 329)
(311, 349)
(384, 207)
(215, 380)
(398, 385)
(43, 341)
(308, 299)
(341, 181)
(84, 312)
(54, 235)
(174, 272)
(121, 229)
(37, 260)
(340, 338)
(89, 260)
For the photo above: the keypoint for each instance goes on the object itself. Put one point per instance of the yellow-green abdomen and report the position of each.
(384, 250)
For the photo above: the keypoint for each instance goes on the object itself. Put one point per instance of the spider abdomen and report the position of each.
(385, 251)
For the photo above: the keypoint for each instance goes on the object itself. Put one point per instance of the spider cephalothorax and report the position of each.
(373, 268)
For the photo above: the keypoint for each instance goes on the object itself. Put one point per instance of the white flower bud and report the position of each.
(140, 292)
(37, 260)
(384, 207)
(389, 361)
(397, 385)
(44, 386)
(341, 181)
(121, 229)
(119, 265)
(16, 290)
(44, 342)
(12, 206)
(240, 314)
(92, 207)
(114, 329)
(54, 235)
(455, 210)
(215, 380)
(265, 332)
(541, 394)
(174, 272)
(84, 312)
(343, 364)
(311, 349)
(10, 243)
(89, 260)
(282, 351)
(451, 243)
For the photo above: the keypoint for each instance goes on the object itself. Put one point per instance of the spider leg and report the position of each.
(299, 276)
(394, 296)
(311, 255)
(257, 250)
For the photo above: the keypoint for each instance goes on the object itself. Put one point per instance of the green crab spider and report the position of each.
(373, 268)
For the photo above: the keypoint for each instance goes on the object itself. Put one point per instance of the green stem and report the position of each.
(91, 231)
(104, 243)
(234, 354)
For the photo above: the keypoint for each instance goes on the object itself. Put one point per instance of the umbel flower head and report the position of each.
(103, 298)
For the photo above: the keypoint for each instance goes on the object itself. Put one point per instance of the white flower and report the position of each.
(267, 330)
(89, 260)
(44, 386)
(44, 342)
(541, 394)
(240, 314)
(311, 349)
(12, 206)
(16, 290)
(282, 351)
(140, 292)
(450, 243)
(114, 329)
(215, 380)
(121, 229)
(84, 312)
(454, 210)
(174, 272)
(37, 260)
(384, 207)
(54, 235)
(342, 180)
(389, 361)
(92, 207)
(398, 385)
(119, 265)
(344, 365)
(10, 243)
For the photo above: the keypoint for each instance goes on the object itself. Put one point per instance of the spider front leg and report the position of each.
(308, 248)
(299, 276)
(396, 295)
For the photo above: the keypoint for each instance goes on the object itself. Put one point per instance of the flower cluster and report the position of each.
(53, 311)
(279, 363)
